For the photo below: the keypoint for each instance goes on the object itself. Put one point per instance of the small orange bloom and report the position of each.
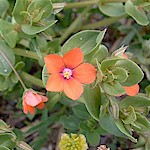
(68, 73)
(32, 99)
(131, 90)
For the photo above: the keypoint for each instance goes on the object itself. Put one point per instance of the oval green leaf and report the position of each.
(134, 71)
(114, 88)
(112, 9)
(121, 127)
(5, 68)
(4, 5)
(135, 101)
(87, 40)
(31, 30)
(137, 14)
(8, 32)
(92, 100)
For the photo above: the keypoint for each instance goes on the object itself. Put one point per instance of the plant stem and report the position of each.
(74, 25)
(81, 4)
(102, 23)
(26, 53)
(31, 79)
(16, 73)
(113, 1)
(89, 3)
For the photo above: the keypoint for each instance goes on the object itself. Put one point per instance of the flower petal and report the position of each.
(85, 73)
(44, 98)
(132, 90)
(73, 89)
(54, 63)
(55, 83)
(25, 107)
(31, 110)
(40, 106)
(73, 58)
(32, 99)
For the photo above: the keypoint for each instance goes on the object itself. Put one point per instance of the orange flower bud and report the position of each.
(32, 99)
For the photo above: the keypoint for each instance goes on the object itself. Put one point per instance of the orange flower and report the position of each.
(32, 99)
(68, 73)
(131, 90)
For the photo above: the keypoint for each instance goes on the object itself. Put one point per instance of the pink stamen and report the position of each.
(67, 73)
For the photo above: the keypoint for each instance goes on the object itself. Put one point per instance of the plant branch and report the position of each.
(80, 4)
(26, 53)
(102, 23)
(16, 73)
(89, 3)
(74, 25)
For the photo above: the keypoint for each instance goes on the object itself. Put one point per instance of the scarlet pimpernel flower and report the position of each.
(68, 73)
(33, 99)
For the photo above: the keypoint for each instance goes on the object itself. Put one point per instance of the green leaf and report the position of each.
(123, 130)
(114, 109)
(93, 138)
(142, 122)
(35, 47)
(135, 101)
(84, 126)
(147, 89)
(13, 78)
(31, 30)
(114, 88)
(45, 75)
(3, 124)
(5, 68)
(8, 32)
(141, 2)
(39, 9)
(19, 65)
(137, 14)
(101, 53)
(4, 148)
(120, 74)
(87, 40)
(134, 71)
(80, 111)
(108, 63)
(112, 9)
(107, 122)
(4, 5)
(70, 122)
(92, 99)
(5, 83)
(7, 139)
(54, 98)
(130, 116)
(19, 7)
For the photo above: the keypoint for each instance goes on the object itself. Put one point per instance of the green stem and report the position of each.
(12, 67)
(113, 1)
(81, 4)
(102, 23)
(26, 53)
(89, 3)
(74, 25)
(31, 79)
